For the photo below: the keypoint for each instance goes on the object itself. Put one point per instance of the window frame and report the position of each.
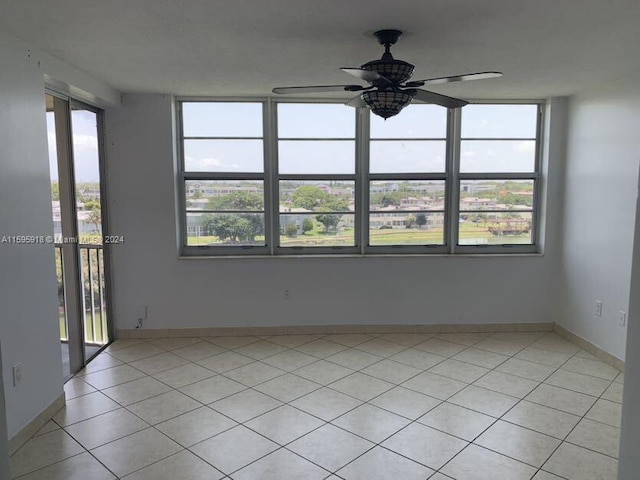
(362, 177)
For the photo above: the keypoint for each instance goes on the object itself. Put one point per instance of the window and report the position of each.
(285, 178)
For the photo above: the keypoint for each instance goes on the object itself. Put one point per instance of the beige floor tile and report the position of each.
(326, 403)
(391, 371)
(520, 338)
(518, 443)
(439, 476)
(323, 372)
(606, 412)
(100, 362)
(281, 465)
(245, 405)
(123, 343)
(232, 342)
(482, 358)
(499, 346)
(163, 407)
(405, 402)
(136, 451)
(363, 387)
(158, 363)
(371, 422)
(198, 351)
(76, 387)
(50, 426)
(594, 368)
(484, 401)
(614, 392)
(233, 449)
(406, 339)
(425, 445)
(292, 341)
(596, 436)
(105, 428)
(224, 362)
(354, 359)
(184, 375)
(380, 347)
(290, 360)
(254, 374)
(321, 348)
(284, 424)
(477, 463)
(526, 369)
(440, 347)
(542, 419)
(330, 447)
(260, 350)
(544, 357)
(467, 339)
(112, 376)
(136, 390)
(541, 475)
(84, 407)
(461, 371)
(174, 343)
(556, 343)
(434, 385)
(212, 389)
(195, 426)
(620, 378)
(578, 382)
(136, 352)
(561, 399)
(458, 421)
(287, 387)
(183, 465)
(349, 339)
(42, 451)
(417, 358)
(507, 384)
(382, 464)
(577, 463)
(80, 467)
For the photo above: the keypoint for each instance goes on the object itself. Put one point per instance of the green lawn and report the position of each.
(102, 335)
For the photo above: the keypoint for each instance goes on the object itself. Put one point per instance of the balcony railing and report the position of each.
(93, 294)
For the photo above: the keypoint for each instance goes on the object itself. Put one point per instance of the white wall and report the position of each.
(184, 293)
(28, 292)
(603, 154)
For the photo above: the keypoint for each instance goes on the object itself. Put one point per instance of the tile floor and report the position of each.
(469, 406)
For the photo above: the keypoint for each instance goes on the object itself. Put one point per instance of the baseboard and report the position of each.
(590, 347)
(333, 329)
(36, 424)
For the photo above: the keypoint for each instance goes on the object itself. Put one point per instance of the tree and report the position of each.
(291, 230)
(388, 198)
(329, 220)
(55, 191)
(234, 227)
(409, 221)
(95, 218)
(307, 225)
(239, 200)
(197, 195)
(309, 197)
(421, 220)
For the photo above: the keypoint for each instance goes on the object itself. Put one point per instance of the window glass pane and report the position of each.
(223, 156)
(318, 230)
(316, 156)
(497, 156)
(401, 156)
(222, 195)
(495, 228)
(406, 228)
(317, 196)
(222, 119)
(496, 195)
(499, 121)
(226, 229)
(312, 120)
(415, 121)
(385, 196)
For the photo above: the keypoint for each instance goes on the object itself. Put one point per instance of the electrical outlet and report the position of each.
(287, 294)
(17, 374)
(622, 318)
(598, 308)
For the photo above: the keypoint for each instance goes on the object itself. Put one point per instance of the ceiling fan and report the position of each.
(389, 90)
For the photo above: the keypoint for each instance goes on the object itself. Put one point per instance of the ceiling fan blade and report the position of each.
(319, 88)
(454, 78)
(436, 98)
(356, 102)
(367, 75)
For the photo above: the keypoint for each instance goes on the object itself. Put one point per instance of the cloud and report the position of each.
(209, 164)
(525, 146)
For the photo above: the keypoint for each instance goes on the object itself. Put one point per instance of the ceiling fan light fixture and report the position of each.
(387, 103)
(398, 71)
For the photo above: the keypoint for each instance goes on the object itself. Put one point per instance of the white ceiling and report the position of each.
(247, 47)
